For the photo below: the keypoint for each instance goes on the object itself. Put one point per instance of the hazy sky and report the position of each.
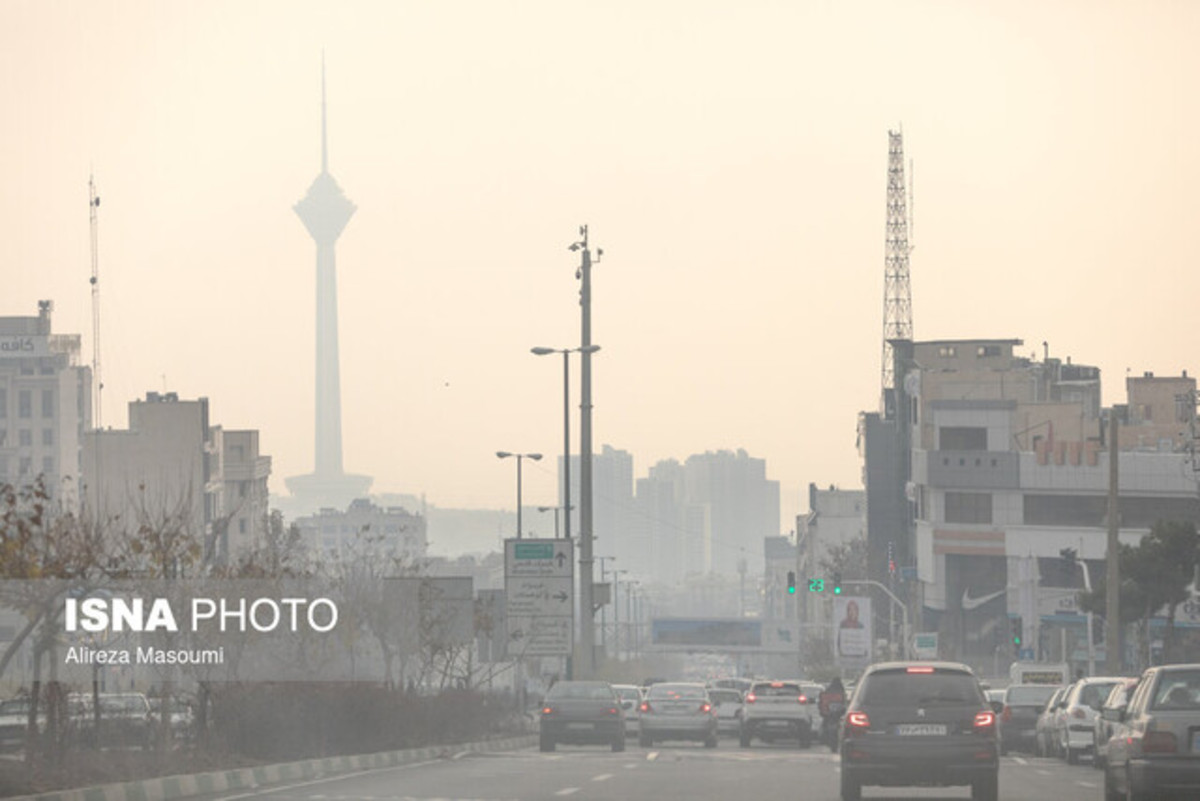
(730, 158)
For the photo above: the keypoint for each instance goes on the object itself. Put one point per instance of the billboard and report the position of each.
(852, 631)
(712, 634)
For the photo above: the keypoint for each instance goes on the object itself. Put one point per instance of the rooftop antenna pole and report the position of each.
(97, 384)
(897, 291)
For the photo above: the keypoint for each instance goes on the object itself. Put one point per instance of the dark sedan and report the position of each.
(582, 713)
(1018, 719)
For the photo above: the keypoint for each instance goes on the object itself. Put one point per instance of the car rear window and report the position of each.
(1029, 696)
(1178, 689)
(776, 690)
(593, 692)
(1093, 695)
(901, 687)
(725, 696)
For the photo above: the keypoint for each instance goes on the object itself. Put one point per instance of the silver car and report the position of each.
(1102, 729)
(1155, 747)
(677, 711)
(728, 704)
(1075, 723)
(631, 700)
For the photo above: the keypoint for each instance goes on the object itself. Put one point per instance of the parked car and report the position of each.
(677, 711)
(919, 724)
(1044, 729)
(580, 713)
(1102, 728)
(1022, 703)
(728, 704)
(631, 701)
(1074, 723)
(125, 719)
(1155, 747)
(778, 710)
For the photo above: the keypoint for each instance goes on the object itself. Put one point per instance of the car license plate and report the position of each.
(580, 726)
(921, 729)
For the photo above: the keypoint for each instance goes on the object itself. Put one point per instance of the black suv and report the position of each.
(919, 724)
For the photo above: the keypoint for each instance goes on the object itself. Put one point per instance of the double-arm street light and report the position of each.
(566, 354)
(519, 457)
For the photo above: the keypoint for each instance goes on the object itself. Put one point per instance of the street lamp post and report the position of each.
(566, 354)
(519, 456)
(556, 510)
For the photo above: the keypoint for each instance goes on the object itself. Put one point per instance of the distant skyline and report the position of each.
(730, 159)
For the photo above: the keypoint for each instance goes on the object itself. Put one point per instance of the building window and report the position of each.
(47, 436)
(242, 526)
(962, 438)
(25, 438)
(947, 351)
(26, 466)
(47, 403)
(987, 350)
(968, 507)
(24, 404)
(48, 465)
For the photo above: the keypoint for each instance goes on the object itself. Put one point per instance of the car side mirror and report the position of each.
(997, 706)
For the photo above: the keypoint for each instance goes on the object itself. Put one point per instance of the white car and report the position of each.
(1076, 721)
(728, 703)
(631, 701)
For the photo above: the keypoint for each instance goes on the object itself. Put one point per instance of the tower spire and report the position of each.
(897, 291)
(324, 138)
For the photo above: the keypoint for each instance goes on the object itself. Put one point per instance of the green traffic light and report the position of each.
(837, 590)
(792, 590)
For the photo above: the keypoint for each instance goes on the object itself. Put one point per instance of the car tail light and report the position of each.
(920, 670)
(1159, 742)
(1007, 716)
(985, 720)
(803, 699)
(706, 707)
(858, 720)
(547, 710)
(751, 698)
(645, 707)
(1078, 712)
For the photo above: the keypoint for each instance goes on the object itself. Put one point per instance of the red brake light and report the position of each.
(612, 710)
(751, 698)
(706, 707)
(984, 720)
(1159, 742)
(645, 707)
(803, 699)
(858, 720)
(547, 710)
(920, 670)
(777, 684)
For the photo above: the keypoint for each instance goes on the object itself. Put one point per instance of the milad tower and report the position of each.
(325, 210)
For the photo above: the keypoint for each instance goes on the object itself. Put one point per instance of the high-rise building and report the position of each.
(173, 470)
(45, 406)
(325, 210)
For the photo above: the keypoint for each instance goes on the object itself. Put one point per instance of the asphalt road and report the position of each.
(685, 772)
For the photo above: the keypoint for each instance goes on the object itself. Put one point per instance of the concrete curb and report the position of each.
(167, 788)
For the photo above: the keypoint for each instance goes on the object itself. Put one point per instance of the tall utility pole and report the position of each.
(1112, 606)
(94, 223)
(586, 602)
(897, 291)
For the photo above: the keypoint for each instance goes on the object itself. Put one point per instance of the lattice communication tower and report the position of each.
(897, 291)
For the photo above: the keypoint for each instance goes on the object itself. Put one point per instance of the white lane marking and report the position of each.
(653, 755)
(567, 791)
(1020, 760)
(630, 766)
(1089, 785)
(326, 780)
(602, 777)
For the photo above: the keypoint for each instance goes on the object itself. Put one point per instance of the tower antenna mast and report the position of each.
(897, 291)
(97, 384)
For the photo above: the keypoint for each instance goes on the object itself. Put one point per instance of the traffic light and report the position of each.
(837, 583)
(1015, 624)
(791, 582)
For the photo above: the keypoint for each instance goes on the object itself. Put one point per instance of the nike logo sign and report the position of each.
(969, 603)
